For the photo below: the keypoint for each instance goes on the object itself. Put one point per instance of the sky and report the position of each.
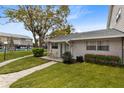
(83, 18)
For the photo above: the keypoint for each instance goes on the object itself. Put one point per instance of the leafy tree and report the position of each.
(25, 15)
(39, 19)
(65, 31)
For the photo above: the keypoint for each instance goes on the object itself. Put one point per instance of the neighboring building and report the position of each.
(109, 41)
(15, 41)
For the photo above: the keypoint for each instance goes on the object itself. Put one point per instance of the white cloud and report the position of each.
(90, 27)
(15, 28)
(78, 11)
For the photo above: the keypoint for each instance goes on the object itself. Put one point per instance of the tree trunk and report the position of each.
(40, 41)
(35, 40)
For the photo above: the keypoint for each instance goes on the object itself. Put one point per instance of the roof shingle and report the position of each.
(14, 35)
(105, 33)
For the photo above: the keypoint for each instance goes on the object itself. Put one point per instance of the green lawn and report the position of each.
(14, 54)
(78, 75)
(21, 65)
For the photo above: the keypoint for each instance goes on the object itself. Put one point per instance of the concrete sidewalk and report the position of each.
(12, 60)
(7, 79)
(52, 58)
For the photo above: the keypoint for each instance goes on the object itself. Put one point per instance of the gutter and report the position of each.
(60, 41)
(98, 37)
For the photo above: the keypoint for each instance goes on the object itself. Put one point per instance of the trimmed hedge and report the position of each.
(106, 59)
(38, 52)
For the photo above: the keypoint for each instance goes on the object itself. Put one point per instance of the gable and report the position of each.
(116, 17)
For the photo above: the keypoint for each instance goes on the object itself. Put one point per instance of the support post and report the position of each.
(5, 53)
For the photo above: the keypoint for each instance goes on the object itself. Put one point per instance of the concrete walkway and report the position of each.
(52, 58)
(7, 79)
(12, 60)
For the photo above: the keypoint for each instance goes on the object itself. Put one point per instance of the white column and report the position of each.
(59, 54)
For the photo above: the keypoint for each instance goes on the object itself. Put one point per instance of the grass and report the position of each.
(21, 65)
(78, 75)
(14, 54)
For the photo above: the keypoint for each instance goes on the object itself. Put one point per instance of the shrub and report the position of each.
(67, 58)
(79, 58)
(108, 59)
(45, 54)
(90, 58)
(38, 52)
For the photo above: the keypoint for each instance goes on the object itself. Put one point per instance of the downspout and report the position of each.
(69, 46)
(122, 50)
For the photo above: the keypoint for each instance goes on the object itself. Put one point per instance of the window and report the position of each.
(91, 45)
(118, 14)
(98, 45)
(103, 45)
(55, 45)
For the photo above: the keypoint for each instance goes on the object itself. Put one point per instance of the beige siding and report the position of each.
(17, 41)
(3, 39)
(53, 52)
(79, 48)
(56, 52)
(120, 24)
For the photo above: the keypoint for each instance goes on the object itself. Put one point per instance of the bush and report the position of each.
(45, 54)
(79, 58)
(90, 58)
(38, 52)
(107, 59)
(67, 58)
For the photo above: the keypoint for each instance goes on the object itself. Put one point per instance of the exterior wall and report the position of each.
(120, 24)
(16, 41)
(63, 48)
(53, 52)
(115, 48)
(57, 52)
(3, 39)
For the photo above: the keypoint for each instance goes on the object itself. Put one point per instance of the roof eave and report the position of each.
(104, 37)
(55, 41)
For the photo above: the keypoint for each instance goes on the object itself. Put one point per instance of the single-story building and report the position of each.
(105, 42)
(109, 41)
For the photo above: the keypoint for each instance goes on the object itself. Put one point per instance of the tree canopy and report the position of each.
(65, 31)
(40, 19)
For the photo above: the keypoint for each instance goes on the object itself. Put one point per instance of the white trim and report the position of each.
(87, 38)
(109, 16)
(99, 37)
